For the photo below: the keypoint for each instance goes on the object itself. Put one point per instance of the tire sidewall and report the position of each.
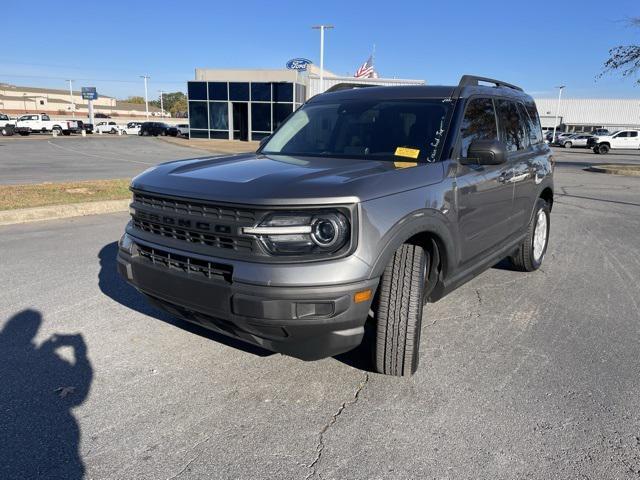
(544, 206)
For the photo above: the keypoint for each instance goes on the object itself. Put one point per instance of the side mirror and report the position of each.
(485, 152)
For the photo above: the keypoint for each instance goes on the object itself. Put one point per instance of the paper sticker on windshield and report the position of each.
(407, 152)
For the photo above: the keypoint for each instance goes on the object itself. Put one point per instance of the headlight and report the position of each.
(303, 233)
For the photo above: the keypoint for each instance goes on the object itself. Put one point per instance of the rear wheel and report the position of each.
(398, 311)
(124, 132)
(530, 253)
(58, 130)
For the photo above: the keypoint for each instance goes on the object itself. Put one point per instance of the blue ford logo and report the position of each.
(298, 64)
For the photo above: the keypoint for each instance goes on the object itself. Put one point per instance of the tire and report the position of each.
(5, 132)
(531, 252)
(58, 130)
(113, 131)
(398, 311)
(568, 144)
(603, 149)
(124, 132)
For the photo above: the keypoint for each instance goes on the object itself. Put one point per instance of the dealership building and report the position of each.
(251, 104)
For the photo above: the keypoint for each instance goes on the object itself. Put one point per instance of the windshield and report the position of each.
(367, 129)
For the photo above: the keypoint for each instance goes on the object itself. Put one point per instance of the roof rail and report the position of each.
(347, 86)
(472, 80)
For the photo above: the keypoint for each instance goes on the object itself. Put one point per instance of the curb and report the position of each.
(617, 169)
(53, 212)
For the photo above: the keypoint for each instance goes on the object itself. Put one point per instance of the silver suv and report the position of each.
(365, 205)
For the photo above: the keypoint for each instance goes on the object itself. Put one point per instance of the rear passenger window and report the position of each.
(535, 132)
(633, 134)
(479, 123)
(512, 131)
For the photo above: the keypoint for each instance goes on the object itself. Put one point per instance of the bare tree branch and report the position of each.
(624, 58)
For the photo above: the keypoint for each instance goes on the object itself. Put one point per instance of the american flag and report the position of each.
(366, 69)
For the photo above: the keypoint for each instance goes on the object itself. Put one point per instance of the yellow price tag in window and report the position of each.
(407, 152)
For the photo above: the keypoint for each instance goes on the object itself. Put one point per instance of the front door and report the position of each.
(485, 198)
(240, 121)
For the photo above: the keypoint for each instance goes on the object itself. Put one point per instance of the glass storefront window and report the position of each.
(197, 90)
(280, 113)
(260, 92)
(257, 136)
(218, 91)
(239, 92)
(283, 92)
(219, 135)
(219, 115)
(198, 115)
(261, 116)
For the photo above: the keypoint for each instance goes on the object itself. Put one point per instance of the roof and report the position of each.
(120, 105)
(416, 91)
(8, 86)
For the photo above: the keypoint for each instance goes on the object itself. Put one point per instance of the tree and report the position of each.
(624, 58)
(134, 99)
(174, 102)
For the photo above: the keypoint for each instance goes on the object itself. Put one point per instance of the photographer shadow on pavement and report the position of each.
(39, 436)
(115, 287)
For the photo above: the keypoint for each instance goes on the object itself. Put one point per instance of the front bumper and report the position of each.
(307, 322)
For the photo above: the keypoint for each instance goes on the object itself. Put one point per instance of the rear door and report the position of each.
(633, 139)
(515, 131)
(485, 200)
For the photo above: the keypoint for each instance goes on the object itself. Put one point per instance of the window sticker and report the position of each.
(407, 152)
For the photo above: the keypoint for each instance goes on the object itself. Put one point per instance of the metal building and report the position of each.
(585, 114)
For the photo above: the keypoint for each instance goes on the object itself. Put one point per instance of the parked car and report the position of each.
(622, 139)
(42, 123)
(107, 127)
(7, 125)
(328, 229)
(577, 140)
(88, 127)
(183, 128)
(101, 115)
(561, 137)
(132, 128)
(600, 131)
(173, 131)
(154, 128)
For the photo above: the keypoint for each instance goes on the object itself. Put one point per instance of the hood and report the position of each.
(284, 180)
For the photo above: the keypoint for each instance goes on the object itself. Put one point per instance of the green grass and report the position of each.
(44, 194)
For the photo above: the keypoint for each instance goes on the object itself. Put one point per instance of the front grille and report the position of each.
(199, 223)
(192, 236)
(185, 264)
(189, 207)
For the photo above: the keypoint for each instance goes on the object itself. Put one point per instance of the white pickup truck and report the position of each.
(7, 125)
(41, 123)
(629, 139)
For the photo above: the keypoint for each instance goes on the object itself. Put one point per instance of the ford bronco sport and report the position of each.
(363, 206)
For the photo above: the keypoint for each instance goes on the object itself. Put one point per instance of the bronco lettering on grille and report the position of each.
(181, 222)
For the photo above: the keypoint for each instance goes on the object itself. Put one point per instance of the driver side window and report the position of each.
(479, 123)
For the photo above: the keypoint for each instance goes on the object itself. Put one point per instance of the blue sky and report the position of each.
(109, 44)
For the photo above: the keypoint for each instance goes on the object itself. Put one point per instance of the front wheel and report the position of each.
(398, 311)
(568, 144)
(530, 253)
(603, 149)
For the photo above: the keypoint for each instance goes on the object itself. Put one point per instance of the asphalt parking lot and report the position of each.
(37, 159)
(522, 375)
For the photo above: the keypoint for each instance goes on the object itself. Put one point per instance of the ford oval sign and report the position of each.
(298, 64)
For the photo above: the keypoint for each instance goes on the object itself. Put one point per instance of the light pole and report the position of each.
(73, 106)
(322, 28)
(555, 123)
(146, 98)
(161, 103)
